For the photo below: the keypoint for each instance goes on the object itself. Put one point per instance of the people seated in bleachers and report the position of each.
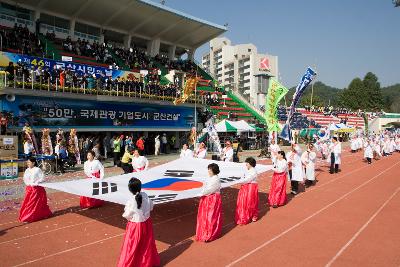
(22, 40)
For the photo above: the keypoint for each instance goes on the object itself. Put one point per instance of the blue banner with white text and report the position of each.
(301, 87)
(72, 113)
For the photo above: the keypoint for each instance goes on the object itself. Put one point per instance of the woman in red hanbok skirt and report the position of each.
(139, 246)
(277, 192)
(93, 170)
(209, 216)
(34, 207)
(247, 201)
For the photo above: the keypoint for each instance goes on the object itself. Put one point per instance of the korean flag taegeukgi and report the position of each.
(179, 179)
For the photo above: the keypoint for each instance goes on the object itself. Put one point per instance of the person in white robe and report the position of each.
(368, 151)
(274, 148)
(201, 152)
(335, 155)
(28, 148)
(359, 143)
(324, 150)
(157, 145)
(186, 152)
(392, 145)
(93, 169)
(377, 150)
(397, 141)
(227, 152)
(309, 158)
(354, 145)
(296, 171)
(386, 147)
(139, 163)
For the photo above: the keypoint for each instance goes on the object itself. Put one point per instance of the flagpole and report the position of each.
(195, 108)
(312, 93)
(312, 85)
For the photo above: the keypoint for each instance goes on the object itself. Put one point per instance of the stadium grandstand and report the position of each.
(68, 67)
(90, 72)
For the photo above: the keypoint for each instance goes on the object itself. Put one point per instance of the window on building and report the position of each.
(54, 21)
(83, 28)
(16, 11)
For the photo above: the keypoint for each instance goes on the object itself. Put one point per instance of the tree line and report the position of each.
(365, 94)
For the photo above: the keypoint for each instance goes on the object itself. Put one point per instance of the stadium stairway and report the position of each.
(321, 119)
(50, 49)
(325, 120)
(352, 120)
(239, 109)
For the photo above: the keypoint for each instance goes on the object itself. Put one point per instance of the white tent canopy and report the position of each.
(233, 126)
(339, 126)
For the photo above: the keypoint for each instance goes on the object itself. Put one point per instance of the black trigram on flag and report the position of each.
(163, 198)
(229, 179)
(105, 186)
(178, 173)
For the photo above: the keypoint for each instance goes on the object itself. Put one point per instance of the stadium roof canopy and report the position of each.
(141, 18)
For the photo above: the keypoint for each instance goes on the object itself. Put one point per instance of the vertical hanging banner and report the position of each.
(276, 92)
(301, 87)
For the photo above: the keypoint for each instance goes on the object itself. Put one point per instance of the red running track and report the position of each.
(347, 219)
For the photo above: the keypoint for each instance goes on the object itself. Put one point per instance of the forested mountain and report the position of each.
(364, 94)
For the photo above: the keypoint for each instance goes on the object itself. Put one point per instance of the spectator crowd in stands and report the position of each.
(334, 111)
(19, 39)
(67, 78)
(101, 53)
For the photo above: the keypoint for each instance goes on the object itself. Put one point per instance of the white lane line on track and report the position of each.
(307, 219)
(171, 219)
(168, 220)
(361, 229)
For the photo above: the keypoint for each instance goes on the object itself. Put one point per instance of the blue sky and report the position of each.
(344, 39)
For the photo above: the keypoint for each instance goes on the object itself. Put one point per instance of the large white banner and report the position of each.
(178, 179)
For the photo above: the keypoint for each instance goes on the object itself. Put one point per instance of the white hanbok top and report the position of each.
(336, 149)
(392, 146)
(139, 163)
(386, 146)
(28, 148)
(201, 154)
(274, 151)
(360, 143)
(250, 176)
(354, 144)
(212, 185)
(368, 151)
(309, 159)
(33, 176)
(186, 153)
(297, 166)
(228, 154)
(280, 166)
(133, 214)
(157, 142)
(397, 141)
(90, 167)
(324, 148)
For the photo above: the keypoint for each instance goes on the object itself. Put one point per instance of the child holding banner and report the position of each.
(139, 246)
(34, 207)
(247, 201)
(209, 216)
